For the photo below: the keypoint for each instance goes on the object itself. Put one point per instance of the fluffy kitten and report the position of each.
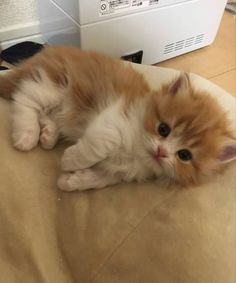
(121, 130)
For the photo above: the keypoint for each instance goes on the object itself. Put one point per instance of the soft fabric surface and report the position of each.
(126, 233)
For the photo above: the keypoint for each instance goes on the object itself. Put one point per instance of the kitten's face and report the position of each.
(187, 133)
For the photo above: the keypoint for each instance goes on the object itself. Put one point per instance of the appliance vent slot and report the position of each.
(169, 48)
(199, 38)
(185, 43)
(179, 45)
(189, 41)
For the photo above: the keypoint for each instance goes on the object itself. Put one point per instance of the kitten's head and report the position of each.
(187, 134)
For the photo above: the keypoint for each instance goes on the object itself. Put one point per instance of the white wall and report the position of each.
(18, 21)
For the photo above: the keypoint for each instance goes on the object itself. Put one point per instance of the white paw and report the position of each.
(25, 141)
(48, 137)
(70, 159)
(79, 180)
(72, 181)
(64, 182)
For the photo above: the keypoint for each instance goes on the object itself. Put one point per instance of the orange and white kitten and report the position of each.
(121, 129)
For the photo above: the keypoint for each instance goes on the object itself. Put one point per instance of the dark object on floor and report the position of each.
(136, 57)
(20, 51)
(3, 68)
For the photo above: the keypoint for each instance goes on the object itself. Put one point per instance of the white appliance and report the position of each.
(162, 29)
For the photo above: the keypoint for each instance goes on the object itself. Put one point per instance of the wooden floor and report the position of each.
(216, 62)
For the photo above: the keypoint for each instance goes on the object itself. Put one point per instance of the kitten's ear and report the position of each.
(228, 152)
(181, 84)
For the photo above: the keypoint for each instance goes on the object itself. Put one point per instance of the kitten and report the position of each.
(121, 129)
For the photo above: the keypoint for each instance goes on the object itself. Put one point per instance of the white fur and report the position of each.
(49, 133)
(113, 146)
(110, 144)
(33, 102)
(85, 179)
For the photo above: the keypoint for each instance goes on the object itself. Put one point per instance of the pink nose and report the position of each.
(161, 152)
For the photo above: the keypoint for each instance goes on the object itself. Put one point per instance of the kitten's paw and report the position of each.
(48, 136)
(69, 161)
(79, 180)
(64, 182)
(25, 141)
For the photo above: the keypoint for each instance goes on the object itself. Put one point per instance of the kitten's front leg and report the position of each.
(78, 156)
(92, 148)
(85, 179)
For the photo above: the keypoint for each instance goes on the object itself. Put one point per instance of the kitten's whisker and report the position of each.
(173, 177)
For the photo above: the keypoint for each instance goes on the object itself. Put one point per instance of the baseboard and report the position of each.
(18, 33)
(35, 38)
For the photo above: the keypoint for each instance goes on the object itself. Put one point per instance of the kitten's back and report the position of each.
(86, 73)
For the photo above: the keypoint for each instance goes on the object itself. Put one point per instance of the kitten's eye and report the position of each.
(164, 130)
(184, 154)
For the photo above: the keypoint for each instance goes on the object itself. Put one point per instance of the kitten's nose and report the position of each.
(161, 152)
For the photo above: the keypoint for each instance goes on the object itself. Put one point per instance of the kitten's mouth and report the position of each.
(156, 158)
(159, 154)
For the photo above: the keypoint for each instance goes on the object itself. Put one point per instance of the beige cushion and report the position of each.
(127, 233)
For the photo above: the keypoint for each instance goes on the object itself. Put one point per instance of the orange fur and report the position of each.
(89, 73)
(91, 80)
(198, 122)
